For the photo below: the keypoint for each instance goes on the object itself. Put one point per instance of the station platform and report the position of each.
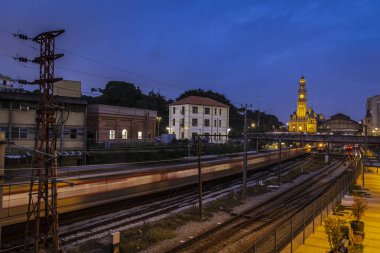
(318, 243)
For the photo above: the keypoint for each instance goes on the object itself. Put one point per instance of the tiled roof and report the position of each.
(195, 100)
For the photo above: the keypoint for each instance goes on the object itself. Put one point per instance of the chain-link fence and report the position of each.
(294, 229)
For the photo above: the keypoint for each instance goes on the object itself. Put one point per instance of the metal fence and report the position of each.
(292, 232)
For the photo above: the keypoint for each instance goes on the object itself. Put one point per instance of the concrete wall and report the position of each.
(66, 88)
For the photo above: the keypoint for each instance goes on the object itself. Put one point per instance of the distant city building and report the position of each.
(116, 124)
(6, 83)
(372, 118)
(304, 119)
(18, 118)
(193, 115)
(340, 124)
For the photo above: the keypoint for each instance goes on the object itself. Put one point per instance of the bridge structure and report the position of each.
(327, 138)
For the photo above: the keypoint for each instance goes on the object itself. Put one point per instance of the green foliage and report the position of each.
(359, 207)
(332, 229)
(127, 94)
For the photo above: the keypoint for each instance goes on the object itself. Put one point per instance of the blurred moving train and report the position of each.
(102, 188)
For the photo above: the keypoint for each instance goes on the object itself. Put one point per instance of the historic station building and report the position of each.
(193, 115)
(304, 119)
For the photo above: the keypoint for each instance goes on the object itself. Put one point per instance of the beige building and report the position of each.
(18, 117)
(195, 115)
(116, 124)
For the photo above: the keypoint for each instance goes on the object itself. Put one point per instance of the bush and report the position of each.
(359, 207)
(332, 229)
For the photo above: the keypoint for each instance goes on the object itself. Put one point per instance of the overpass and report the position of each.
(301, 137)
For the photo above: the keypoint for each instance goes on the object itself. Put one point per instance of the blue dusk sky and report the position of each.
(243, 49)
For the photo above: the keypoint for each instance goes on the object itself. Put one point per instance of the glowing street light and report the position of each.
(158, 125)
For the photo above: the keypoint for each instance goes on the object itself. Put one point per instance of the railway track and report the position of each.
(73, 233)
(89, 229)
(257, 220)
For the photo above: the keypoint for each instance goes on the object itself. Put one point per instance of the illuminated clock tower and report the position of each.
(302, 102)
(304, 119)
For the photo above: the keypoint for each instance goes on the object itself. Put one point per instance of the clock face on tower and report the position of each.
(302, 96)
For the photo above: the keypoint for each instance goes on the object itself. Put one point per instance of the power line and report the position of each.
(119, 69)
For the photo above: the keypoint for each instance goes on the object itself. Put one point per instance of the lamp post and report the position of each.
(158, 126)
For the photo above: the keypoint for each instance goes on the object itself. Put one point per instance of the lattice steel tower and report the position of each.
(43, 185)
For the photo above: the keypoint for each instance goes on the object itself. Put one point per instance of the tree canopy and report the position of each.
(129, 95)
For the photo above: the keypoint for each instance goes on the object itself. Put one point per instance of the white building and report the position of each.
(194, 115)
(373, 107)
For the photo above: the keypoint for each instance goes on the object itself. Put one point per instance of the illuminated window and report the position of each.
(112, 134)
(124, 134)
(139, 135)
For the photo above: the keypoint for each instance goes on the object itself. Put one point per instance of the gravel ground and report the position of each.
(194, 228)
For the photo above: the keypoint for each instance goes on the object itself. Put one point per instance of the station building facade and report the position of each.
(340, 124)
(118, 125)
(18, 116)
(194, 115)
(304, 119)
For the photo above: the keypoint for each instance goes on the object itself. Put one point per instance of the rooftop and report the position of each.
(195, 100)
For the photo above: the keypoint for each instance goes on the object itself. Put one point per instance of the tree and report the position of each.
(121, 94)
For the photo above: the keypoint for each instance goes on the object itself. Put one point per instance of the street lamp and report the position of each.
(168, 128)
(158, 125)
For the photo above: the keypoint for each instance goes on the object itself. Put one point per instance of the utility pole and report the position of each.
(2, 155)
(244, 190)
(279, 161)
(258, 123)
(42, 206)
(200, 176)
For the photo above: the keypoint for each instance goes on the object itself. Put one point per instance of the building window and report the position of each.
(195, 109)
(173, 122)
(73, 133)
(139, 135)
(207, 122)
(112, 134)
(19, 133)
(215, 111)
(124, 134)
(214, 122)
(183, 110)
(194, 122)
(220, 123)
(207, 110)
(173, 110)
(220, 111)
(5, 104)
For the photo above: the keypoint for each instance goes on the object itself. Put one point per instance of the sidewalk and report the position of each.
(317, 242)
